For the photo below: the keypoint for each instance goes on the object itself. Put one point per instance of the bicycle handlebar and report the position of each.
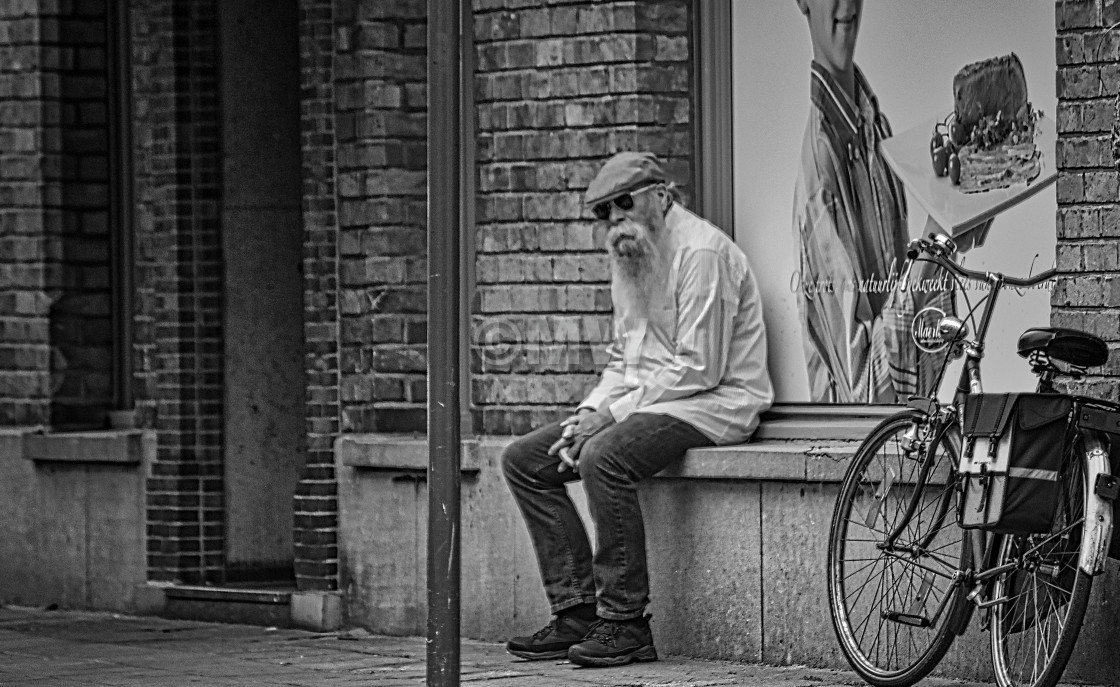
(937, 253)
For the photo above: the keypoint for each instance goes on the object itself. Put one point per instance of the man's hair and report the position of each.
(675, 193)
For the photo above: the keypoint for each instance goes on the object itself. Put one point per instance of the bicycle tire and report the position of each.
(1033, 633)
(896, 654)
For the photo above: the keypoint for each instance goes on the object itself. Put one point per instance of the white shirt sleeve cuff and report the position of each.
(623, 407)
(593, 401)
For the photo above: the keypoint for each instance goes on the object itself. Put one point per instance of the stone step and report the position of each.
(258, 605)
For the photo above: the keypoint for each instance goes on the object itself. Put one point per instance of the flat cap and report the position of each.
(622, 173)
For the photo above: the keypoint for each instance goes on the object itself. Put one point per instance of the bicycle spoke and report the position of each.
(862, 628)
(859, 590)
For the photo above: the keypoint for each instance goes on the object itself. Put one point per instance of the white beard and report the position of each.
(637, 266)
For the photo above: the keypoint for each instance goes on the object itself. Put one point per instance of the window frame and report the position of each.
(713, 166)
(119, 102)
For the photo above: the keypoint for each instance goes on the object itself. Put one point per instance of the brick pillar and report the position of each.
(1087, 293)
(364, 123)
(559, 88)
(179, 282)
(24, 301)
(316, 502)
(381, 107)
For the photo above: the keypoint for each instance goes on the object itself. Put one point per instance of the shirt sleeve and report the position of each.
(827, 297)
(707, 300)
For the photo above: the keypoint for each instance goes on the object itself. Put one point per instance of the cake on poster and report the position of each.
(986, 156)
(987, 143)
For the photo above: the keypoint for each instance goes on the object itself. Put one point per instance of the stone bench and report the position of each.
(737, 540)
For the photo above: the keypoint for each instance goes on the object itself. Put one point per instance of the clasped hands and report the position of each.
(576, 430)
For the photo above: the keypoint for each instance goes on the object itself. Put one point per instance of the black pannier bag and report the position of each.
(1010, 461)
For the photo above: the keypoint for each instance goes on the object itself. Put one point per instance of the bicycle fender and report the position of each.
(960, 614)
(1098, 511)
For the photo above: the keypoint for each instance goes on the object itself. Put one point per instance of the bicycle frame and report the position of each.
(1098, 511)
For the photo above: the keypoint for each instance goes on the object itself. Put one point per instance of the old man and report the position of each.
(687, 368)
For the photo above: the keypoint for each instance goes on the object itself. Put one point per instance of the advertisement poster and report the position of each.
(825, 225)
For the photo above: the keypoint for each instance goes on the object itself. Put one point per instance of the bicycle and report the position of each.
(904, 579)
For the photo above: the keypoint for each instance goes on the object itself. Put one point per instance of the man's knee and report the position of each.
(599, 459)
(514, 458)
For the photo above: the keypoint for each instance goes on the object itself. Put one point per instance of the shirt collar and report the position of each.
(675, 214)
(837, 105)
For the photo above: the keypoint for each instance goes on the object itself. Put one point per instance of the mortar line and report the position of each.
(761, 581)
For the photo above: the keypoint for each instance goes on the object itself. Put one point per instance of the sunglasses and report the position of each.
(624, 202)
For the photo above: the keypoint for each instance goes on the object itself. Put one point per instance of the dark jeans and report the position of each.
(611, 464)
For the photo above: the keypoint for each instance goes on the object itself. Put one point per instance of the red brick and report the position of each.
(1102, 187)
(1075, 14)
(1110, 15)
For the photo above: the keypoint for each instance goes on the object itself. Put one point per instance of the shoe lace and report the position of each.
(546, 630)
(605, 632)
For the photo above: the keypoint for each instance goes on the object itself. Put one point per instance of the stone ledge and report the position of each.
(20, 431)
(112, 446)
(228, 594)
(396, 452)
(785, 461)
(791, 461)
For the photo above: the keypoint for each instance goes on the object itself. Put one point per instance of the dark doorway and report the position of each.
(264, 442)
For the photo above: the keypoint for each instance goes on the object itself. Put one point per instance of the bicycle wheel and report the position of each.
(1034, 631)
(889, 605)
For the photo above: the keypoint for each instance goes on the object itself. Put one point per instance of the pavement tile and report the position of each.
(61, 667)
(51, 681)
(131, 679)
(64, 649)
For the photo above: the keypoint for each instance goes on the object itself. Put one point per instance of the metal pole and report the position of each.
(444, 191)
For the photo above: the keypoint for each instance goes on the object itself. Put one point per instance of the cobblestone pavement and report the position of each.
(63, 649)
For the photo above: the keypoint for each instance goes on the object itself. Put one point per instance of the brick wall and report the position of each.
(316, 503)
(24, 304)
(1087, 293)
(560, 87)
(178, 282)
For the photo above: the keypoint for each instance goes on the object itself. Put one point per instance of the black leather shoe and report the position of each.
(615, 643)
(552, 640)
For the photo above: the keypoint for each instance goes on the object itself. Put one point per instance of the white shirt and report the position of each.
(699, 355)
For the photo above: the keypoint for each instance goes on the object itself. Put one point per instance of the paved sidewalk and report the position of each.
(63, 649)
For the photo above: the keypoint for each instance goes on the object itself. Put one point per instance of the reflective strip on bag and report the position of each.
(1027, 473)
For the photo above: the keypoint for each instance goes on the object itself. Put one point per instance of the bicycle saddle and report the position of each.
(1068, 345)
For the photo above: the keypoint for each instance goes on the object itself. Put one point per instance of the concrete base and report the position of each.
(150, 598)
(317, 611)
(737, 540)
(73, 517)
